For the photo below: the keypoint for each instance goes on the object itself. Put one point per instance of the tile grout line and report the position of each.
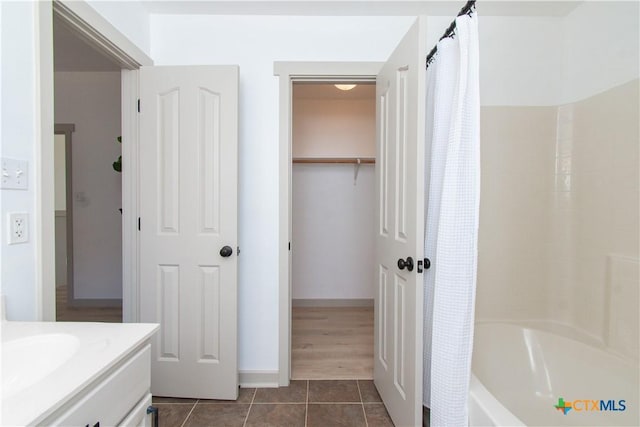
(246, 418)
(366, 423)
(189, 414)
(175, 403)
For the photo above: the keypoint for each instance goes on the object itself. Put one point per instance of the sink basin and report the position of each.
(26, 361)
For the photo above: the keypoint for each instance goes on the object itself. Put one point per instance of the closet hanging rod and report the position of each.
(467, 9)
(352, 160)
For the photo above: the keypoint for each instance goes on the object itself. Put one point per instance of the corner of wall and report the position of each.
(129, 17)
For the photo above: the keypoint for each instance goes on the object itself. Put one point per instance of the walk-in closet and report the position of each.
(333, 200)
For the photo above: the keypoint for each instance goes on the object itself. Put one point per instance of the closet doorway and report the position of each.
(333, 232)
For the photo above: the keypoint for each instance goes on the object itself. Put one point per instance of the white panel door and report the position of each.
(188, 211)
(400, 95)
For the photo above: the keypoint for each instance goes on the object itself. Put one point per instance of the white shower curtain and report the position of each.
(451, 229)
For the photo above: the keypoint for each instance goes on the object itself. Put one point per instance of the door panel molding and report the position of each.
(188, 207)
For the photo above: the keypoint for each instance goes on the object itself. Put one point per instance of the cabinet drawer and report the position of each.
(138, 417)
(109, 401)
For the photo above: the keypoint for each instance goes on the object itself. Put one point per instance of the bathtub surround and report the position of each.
(604, 206)
(621, 330)
(554, 231)
(451, 233)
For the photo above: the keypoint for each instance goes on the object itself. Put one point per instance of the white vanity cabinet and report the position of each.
(140, 416)
(76, 374)
(118, 397)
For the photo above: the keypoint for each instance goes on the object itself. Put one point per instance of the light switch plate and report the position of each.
(15, 174)
(18, 228)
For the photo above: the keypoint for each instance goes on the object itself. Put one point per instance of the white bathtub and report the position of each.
(519, 373)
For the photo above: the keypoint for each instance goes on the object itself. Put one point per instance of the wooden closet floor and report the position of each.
(332, 343)
(84, 314)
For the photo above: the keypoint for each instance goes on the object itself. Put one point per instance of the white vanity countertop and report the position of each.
(44, 364)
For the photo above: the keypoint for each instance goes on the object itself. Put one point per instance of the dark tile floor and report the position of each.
(304, 403)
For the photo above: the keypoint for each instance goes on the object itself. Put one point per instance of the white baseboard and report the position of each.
(259, 379)
(321, 302)
(95, 302)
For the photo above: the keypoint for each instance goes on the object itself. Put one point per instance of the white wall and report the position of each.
(129, 17)
(18, 123)
(333, 217)
(254, 43)
(520, 58)
(2, 213)
(334, 128)
(91, 101)
(548, 61)
(600, 48)
(18, 141)
(333, 241)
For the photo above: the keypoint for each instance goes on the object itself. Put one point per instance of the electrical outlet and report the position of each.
(18, 228)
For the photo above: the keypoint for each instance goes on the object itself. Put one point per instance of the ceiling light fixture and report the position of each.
(345, 87)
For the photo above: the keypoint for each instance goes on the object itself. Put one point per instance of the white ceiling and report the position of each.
(70, 53)
(358, 7)
(329, 91)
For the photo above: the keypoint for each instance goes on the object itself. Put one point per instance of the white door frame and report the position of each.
(288, 73)
(101, 34)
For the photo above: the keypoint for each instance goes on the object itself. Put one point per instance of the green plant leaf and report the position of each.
(117, 165)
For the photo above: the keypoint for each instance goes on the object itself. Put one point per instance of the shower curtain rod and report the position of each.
(449, 32)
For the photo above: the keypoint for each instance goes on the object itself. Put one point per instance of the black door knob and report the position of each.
(226, 251)
(408, 264)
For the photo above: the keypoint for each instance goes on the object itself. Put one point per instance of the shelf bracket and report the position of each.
(356, 169)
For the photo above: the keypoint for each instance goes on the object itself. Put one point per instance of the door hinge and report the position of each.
(138, 105)
(138, 223)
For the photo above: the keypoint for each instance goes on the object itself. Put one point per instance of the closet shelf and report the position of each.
(353, 160)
